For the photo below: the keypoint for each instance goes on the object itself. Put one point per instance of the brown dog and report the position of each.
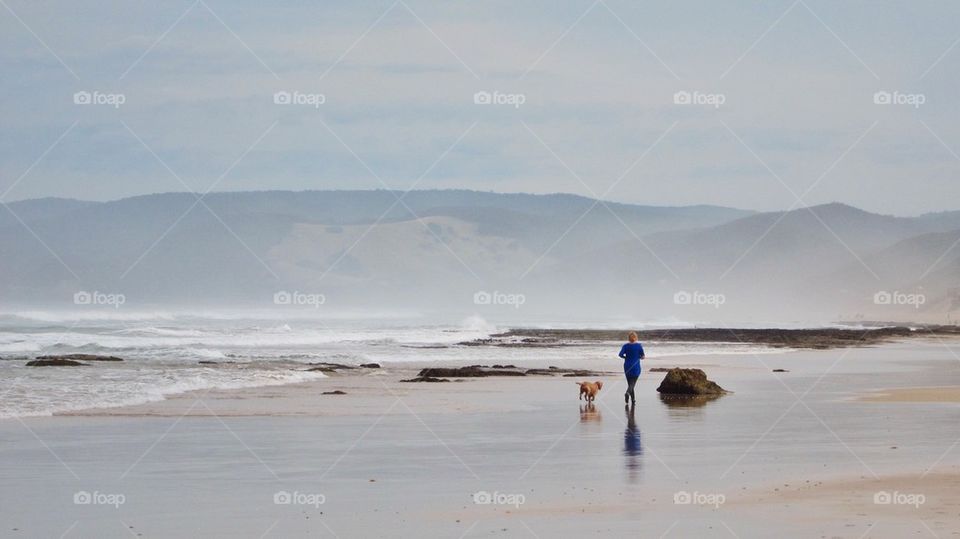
(590, 389)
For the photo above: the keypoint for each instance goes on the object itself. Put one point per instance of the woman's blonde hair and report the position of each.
(632, 336)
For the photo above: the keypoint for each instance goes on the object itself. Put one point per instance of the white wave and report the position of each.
(117, 391)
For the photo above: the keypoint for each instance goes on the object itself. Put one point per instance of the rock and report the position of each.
(426, 379)
(57, 362)
(780, 370)
(472, 371)
(81, 357)
(330, 367)
(504, 366)
(335, 392)
(566, 372)
(370, 365)
(322, 369)
(659, 369)
(688, 382)
(207, 362)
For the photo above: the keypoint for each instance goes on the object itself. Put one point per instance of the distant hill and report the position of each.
(570, 256)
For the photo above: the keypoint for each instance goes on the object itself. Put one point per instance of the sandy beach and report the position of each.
(843, 434)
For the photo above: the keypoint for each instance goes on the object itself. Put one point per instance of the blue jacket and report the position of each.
(632, 353)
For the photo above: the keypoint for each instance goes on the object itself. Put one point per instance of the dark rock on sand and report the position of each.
(425, 379)
(472, 371)
(81, 357)
(504, 366)
(370, 365)
(566, 372)
(659, 369)
(335, 392)
(57, 362)
(688, 382)
(780, 370)
(207, 362)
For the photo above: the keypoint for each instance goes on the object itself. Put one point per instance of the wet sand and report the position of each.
(792, 454)
(915, 394)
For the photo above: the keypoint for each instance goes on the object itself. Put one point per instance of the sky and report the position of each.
(758, 105)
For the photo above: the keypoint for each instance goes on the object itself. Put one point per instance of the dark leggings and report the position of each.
(631, 381)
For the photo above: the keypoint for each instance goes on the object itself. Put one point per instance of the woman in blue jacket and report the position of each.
(631, 353)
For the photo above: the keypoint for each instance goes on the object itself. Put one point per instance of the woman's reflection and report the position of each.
(632, 446)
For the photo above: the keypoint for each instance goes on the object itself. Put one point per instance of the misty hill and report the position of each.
(828, 259)
(236, 246)
(568, 255)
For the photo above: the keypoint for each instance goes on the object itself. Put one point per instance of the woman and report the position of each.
(631, 353)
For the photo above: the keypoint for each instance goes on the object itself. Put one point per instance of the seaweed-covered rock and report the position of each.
(688, 382)
(472, 371)
(80, 357)
(56, 362)
(425, 379)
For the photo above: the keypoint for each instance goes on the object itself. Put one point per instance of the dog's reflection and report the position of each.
(632, 445)
(589, 412)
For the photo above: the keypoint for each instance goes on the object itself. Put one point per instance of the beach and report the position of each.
(810, 452)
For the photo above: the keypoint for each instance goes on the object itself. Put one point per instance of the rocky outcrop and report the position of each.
(472, 371)
(79, 357)
(688, 382)
(55, 362)
(425, 379)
